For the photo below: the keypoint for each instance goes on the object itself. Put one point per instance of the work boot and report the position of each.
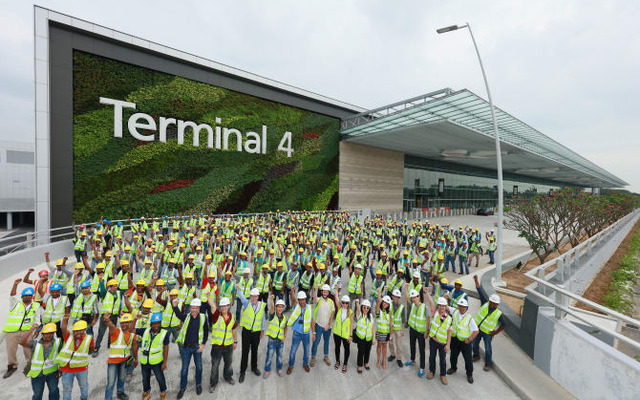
(147, 395)
(451, 371)
(123, 396)
(487, 367)
(306, 368)
(313, 362)
(443, 379)
(430, 375)
(326, 360)
(470, 379)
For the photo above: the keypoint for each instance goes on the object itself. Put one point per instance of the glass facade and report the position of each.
(435, 183)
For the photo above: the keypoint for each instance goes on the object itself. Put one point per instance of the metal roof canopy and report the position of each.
(457, 127)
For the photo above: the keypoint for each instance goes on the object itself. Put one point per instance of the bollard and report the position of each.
(562, 300)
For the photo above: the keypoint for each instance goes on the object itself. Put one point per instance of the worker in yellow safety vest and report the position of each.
(154, 354)
(123, 354)
(73, 358)
(22, 315)
(224, 340)
(43, 369)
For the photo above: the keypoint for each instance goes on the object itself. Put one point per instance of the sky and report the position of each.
(569, 68)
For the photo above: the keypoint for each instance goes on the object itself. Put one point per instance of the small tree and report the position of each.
(526, 216)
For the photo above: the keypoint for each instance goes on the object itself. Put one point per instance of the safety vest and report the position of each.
(252, 320)
(382, 322)
(152, 351)
(440, 291)
(292, 277)
(202, 318)
(20, 317)
(169, 318)
(384, 267)
(60, 277)
(418, 318)
(394, 283)
(462, 253)
(364, 328)
(487, 323)
(396, 316)
(317, 306)
(111, 303)
(108, 267)
(95, 283)
(305, 280)
(143, 321)
(74, 358)
(222, 332)
(204, 294)
(438, 329)
(491, 246)
(263, 283)
(461, 328)
(355, 284)
(245, 285)
(169, 276)
(40, 365)
(340, 327)
(136, 301)
(227, 288)
(147, 274)
(186, 293)
(278, 280)
(306, 318)
(123, 282)
(456, 299)
(121, 348)
(374, 286)
(82, 305)
(80, 245)
(276, 327)
(51, 314)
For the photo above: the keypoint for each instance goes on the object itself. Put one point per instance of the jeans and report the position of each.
(462, 262)
(226, 354)
(457, 347)
(114, 372)
(491, 257)
(419, 337)
(37, 384)
(277, 346)
(146, 377)
(67, 384)
(424, 277)
(295, 342)
(487, 346)
(185, 354)
(321, 334)
(449, 260)
(337, 341)
(437, 347)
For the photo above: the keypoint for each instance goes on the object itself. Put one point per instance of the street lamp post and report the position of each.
(498, 275)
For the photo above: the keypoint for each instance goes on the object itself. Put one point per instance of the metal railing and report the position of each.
(559, 298)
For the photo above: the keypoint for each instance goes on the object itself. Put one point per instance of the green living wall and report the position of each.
(119, 177)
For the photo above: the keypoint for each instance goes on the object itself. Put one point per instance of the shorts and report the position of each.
(382, 337)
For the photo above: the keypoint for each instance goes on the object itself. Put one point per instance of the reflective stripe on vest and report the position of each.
(355, 284)
(83, 306)
(340, 327)
(438, 329)
(120, 348)
(382, 322)
(263, 283)
(169, 318)
(20, 317)
(154, 349)
(397, 317)
(276, 327)
(74, 359)
(461, 328)
(222, 332)
(278, 280)
(185, 325)
(364, 328)
(305, 280)
(250, 319)
(111, 304)
(455, 300)
(487, 323)
(418, 318)
(306, 318)
(51, 314)
(40, 365)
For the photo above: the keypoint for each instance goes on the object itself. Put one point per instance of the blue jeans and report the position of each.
(295, 342)
(67, 384)
(491, 256)
(448, 260)
(37, 384)
(462, 262)
(487, 346)
(146, 377)
(321, 334)
(115, 372)
(277, 346)
(185, 355)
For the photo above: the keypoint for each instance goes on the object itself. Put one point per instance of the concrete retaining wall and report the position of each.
(23, 259)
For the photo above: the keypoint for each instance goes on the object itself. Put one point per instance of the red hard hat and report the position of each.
(43, 273)
(81, 226)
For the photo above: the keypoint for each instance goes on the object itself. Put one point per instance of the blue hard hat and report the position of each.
(85, 284)
(156, 317)
(98, 225)
(119, 223)
(28, 292)
(56, 286)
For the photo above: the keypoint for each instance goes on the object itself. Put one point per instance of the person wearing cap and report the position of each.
(397, 331)
(419, 317)
(244, 285)
(55, 307)
(365, 333)
(395, 282)
(376, 287)
(356, 283)
(80, 246)
(462, 259)
(450, 256)
(58, 273)
(187, 287)
(291, 283)
(40, 286)
(73, 358)
(154, 354)
(302, 325)
(124, 277)
(22, 315)
(277, 333)
(253, 322)
(279, 277)
(490, 322)
(224, 339)
(170, 322)
(384, 327)
(319, 279)
(440, 329)
(491, 249)
(306, 279)
(474, 252)
(464, 331)
(264, 284)
(142, 316)
(211, 288)
(85, 307)
(43, 369)
(456, 293)
(123, 354)
(137, 297)
(323, 320)
(191, 341)
(442, 289)
(111, 304)
(342, 330)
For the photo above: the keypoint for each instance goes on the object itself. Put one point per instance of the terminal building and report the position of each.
(434, 150)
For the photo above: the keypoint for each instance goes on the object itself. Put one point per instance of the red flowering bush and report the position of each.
(174, 184)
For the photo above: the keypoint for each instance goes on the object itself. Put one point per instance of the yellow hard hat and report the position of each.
(49, 328)
(124, 262)
(207, 257)
(188, 275)
(174, 292)
(444, 280)
(100, 266)
(160, 282)
(457, 282)
(126, 318)
(79, 265)
(80, 325)
(148, 303)
(112, 282)
(108, 253)
(60, 262)
(141, 282)
(321, 266)
(172, 260)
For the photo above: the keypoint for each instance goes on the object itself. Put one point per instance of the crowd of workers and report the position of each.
(307, 276)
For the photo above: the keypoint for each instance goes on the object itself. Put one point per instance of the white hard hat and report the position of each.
(416, 274)
(358, 266)
(301, 295)
(413, 293)
(195, 303)
(345, 299)
(387, 299)
(494, 298)
(280, 302)
(442, 301)
(463, 303)
(254, 292)
(224, 301)
(365, 303)
(326, 287)
(396, 292)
